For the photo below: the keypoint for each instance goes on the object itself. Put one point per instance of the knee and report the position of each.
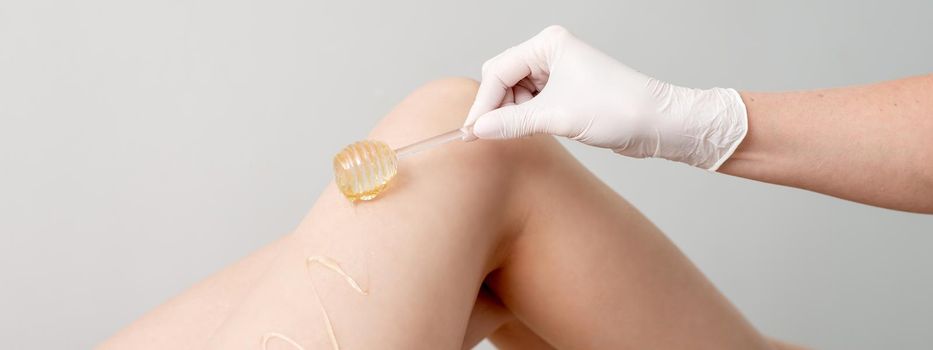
(486, 176)
(441, 106)
(435, 107)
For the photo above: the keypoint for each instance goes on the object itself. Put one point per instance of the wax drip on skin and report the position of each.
(268, 336)
(333, 265)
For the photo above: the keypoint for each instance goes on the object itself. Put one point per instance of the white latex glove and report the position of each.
(556, 84)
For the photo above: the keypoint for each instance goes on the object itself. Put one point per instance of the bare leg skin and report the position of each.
(590, 272)
(576, 265)
(185, 321)
(491, 319)
(516, 335)
(189, 320)
(421, 250)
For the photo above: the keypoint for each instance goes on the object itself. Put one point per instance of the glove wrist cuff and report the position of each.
(701, 127)
(734, 125)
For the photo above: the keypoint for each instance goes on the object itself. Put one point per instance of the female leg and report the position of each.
(380, 244)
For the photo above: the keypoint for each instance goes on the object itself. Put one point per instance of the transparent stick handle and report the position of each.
(434, 141)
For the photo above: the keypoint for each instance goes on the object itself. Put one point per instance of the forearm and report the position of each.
(871, 144)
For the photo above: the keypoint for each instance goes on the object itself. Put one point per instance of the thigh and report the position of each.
(490, 319)
(589, 271)
(188, 320)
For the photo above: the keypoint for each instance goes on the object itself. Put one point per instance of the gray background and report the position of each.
(144, 145)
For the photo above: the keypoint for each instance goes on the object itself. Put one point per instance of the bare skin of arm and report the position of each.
(871, 144)
(576, 266)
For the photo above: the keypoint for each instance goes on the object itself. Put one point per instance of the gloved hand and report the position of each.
(556, 84)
